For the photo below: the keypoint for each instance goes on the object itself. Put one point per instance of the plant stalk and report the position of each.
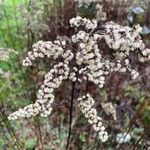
(70, 115)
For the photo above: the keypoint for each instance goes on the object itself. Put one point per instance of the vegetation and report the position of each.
(25, 22)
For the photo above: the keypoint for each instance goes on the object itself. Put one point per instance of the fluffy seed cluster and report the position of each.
(84, 58)
(85, 105)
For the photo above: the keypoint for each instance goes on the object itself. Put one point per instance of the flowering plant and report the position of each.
(82, 58)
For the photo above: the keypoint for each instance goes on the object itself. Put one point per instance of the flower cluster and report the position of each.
(109, 109)
(122, 39)
(48, 49)
(123, 138)
(100, 14)
(79, 21)
(33, 20)
(53, 78)
(45, 95)
(4, 53)
(82, 58)
(86, 103)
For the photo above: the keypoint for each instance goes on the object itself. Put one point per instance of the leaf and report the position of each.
(31, 144)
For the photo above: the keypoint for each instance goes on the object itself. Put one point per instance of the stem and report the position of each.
(12, 133)
(135, 145)
(70, 115)
(39, 134)
(33, 78)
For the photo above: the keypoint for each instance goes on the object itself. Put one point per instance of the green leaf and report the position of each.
(31, 144)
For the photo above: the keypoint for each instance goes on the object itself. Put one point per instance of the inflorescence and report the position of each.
(84, 60)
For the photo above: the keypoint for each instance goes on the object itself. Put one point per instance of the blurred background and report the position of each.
(24, 22)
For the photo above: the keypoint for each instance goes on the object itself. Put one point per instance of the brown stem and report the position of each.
(37, 125)
(70, 116)
(38, 133)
